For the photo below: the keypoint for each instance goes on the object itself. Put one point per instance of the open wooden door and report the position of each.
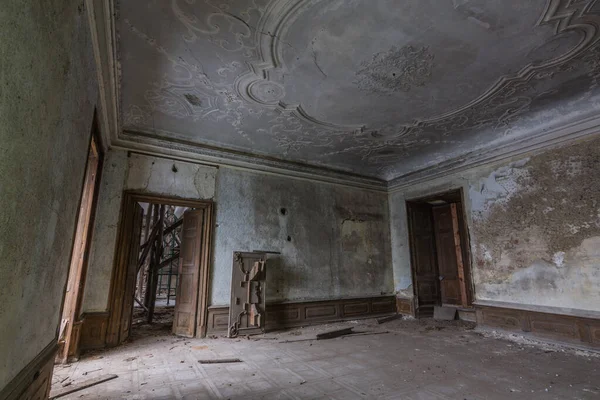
(70, 322)
(449, 255)
(131, 275)
(247, 308)
(184, 322)
(422, 243)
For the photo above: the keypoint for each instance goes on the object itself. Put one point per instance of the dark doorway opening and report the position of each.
(440, 256)
(158, 265)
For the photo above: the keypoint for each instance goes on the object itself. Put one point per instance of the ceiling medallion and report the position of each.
(396, 70)
(400, 69)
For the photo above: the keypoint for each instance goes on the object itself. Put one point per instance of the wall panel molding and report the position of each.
(577, 327)
(304, 313)
(93, 330)
(34, 381)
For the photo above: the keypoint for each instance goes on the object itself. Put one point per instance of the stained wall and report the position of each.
(48, 92)
(534, 228)
(142, 174)
(333, 240)
(338, 236)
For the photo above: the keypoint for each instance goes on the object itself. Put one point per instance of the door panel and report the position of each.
(184, 322)
(247, 308)
(422, 244)
(131, 275)
(450, 284)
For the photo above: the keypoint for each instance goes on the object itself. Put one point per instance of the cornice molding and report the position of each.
(101, 14)
(149, 144)
(545, 140)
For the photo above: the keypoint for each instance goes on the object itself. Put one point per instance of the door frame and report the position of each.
(117, 283)
(450, 196)
(78, 271)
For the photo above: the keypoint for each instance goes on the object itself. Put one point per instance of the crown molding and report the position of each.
(544, 140)
(101, 16)
(150, 144)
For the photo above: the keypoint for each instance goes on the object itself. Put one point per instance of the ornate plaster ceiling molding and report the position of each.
(565, 15)
(253, 90)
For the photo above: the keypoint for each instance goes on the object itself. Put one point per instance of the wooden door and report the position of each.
(247, 307)
(422, 243)
(131, 274)
(70, 321)
(186, 299)
(444, 227)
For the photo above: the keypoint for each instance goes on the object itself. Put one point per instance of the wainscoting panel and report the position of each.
(404, 305)
(570, 326)
(34, 381)
(93, 331)
(293, 314)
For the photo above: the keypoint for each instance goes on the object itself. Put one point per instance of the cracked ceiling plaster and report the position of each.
(378, 88)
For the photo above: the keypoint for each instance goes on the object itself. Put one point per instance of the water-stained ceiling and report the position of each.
(379, 88)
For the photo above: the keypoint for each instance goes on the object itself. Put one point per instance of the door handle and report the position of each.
(441, 277)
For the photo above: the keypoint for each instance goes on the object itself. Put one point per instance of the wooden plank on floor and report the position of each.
(55, 394)
(220, 361)
(334, 334)
(388, 318)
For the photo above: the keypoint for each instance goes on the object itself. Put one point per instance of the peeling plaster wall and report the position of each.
(48, 92)
(339, 236)
(534, 228)
(143, 174)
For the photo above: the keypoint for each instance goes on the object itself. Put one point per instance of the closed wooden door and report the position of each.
(131, 274)
(422, 243)
(247, 308)
(186, 299)
(450, 284)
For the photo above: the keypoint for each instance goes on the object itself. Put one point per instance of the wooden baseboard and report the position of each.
(574, 327)
(93, 331)
(34, 381)
(405, 306)
(294, 314)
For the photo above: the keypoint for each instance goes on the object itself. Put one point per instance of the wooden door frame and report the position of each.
(71, 347)
(117, 284)
(457, 196)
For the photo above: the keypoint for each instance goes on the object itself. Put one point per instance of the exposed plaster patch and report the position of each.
(533, 222)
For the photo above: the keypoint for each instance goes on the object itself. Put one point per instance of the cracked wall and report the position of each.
(534, 227)
(48, 94)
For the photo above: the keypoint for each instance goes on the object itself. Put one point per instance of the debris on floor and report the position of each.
(334, 334)
(383, 320)
(444, 313)
(220, 361)
(72, 388)
(421, 359)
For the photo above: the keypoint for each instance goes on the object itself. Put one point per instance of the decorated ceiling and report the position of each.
(377, 88)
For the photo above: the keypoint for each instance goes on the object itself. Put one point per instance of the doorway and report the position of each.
(439, 249)
(70, 323)
(160, 279)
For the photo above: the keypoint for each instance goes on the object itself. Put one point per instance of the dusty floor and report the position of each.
(414, 360)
